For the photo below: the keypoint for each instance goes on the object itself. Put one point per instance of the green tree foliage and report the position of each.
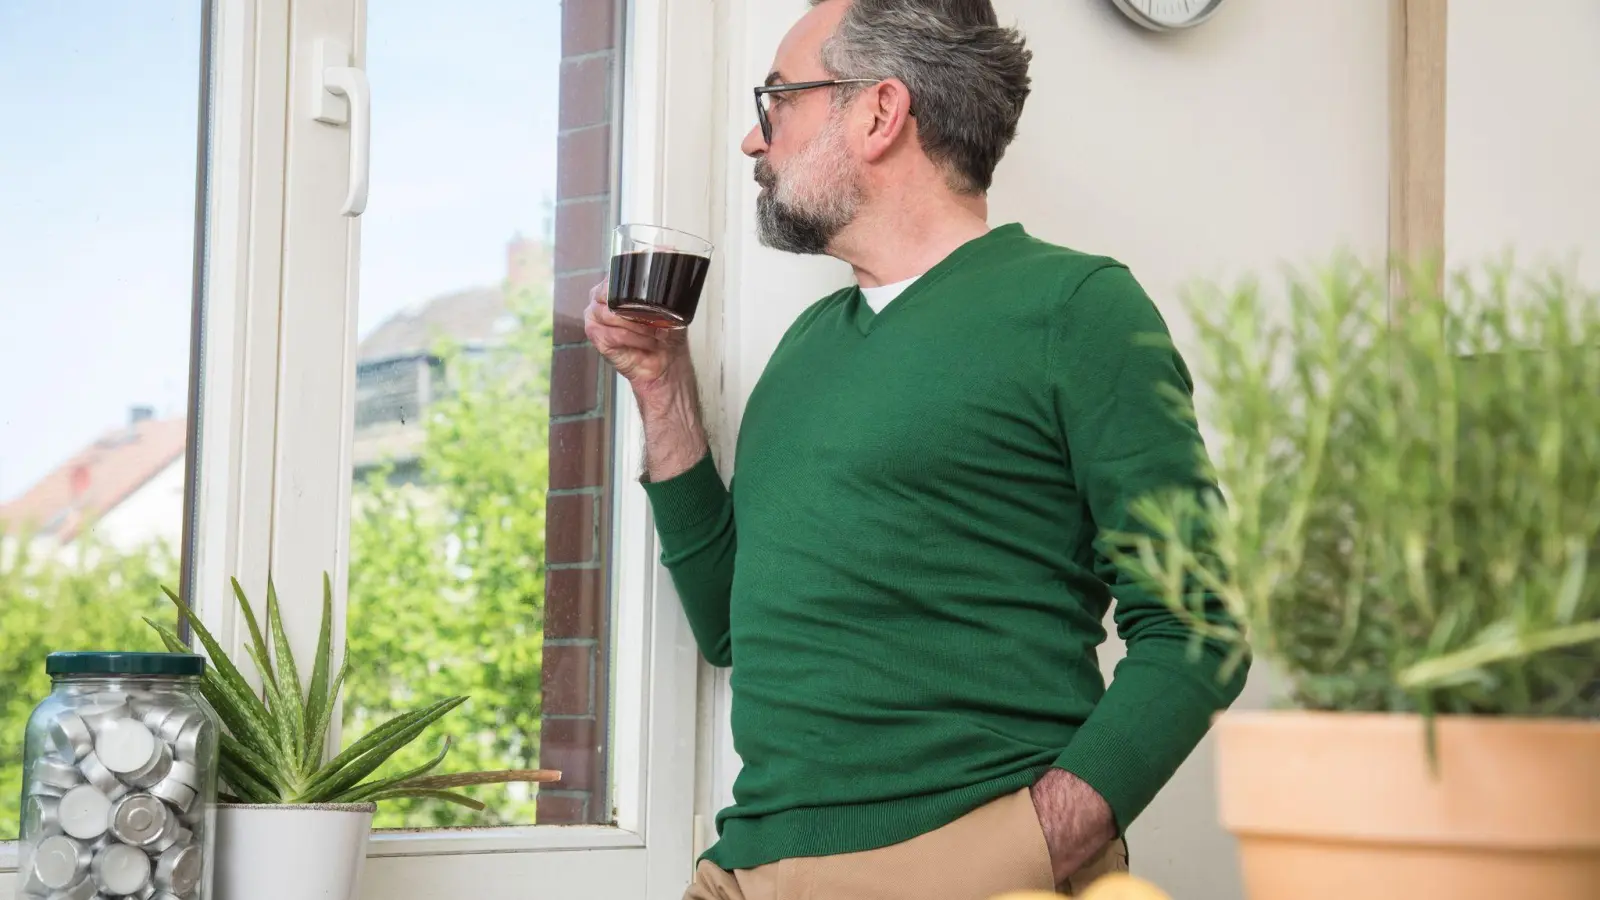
(447, 575)
(87, 596)
(446, 588)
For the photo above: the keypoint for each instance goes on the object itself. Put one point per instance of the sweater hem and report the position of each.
(828, 831)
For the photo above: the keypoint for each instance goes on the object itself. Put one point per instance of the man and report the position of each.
(909, 571)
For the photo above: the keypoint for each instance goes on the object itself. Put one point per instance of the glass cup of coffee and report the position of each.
(656, 275)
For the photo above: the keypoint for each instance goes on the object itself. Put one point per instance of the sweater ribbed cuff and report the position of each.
(684, 501)
(1111, 764)
(1171, 707)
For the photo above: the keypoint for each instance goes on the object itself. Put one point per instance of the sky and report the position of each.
(98, 107)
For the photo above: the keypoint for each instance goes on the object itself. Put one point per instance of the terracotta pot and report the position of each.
(1333, 806)
(312, 852)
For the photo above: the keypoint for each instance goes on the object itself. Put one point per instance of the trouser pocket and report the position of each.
(1114, 858)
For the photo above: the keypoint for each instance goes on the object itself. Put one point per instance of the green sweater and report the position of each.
(905, 575)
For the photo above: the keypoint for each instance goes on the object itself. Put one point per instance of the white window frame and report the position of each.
(274, 479)
(649, 851)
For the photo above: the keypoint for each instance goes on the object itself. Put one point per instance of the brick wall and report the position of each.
(577, 526)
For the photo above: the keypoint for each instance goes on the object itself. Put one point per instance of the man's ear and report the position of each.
(889, 114)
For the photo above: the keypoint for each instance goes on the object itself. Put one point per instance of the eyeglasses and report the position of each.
(763, 113)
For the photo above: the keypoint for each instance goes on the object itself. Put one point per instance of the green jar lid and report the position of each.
(82, 662)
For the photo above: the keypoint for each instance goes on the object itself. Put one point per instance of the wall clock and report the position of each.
(1168, 15)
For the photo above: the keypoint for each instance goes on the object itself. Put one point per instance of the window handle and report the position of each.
(335, 77)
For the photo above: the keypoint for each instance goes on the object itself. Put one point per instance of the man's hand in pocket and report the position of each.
(1077, 821)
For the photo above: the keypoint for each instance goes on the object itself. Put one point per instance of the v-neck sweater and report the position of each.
(909, 572)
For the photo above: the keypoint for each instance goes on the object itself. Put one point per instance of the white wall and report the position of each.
(1522, 139)
(1258, 140)
(154, 511)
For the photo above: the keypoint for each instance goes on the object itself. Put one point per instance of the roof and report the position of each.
(473, 317)
(97, 479)
(469, 317)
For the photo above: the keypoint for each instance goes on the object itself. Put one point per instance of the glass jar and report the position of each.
(119, 780)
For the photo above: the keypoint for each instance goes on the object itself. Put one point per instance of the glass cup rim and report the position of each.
(705, 248)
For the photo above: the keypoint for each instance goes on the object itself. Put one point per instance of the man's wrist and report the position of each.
(673, 387)
(674, 437)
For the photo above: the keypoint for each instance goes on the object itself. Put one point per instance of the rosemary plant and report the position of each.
(272, 748)
(1412, 492)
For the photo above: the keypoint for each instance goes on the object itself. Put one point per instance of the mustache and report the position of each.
(764, 174)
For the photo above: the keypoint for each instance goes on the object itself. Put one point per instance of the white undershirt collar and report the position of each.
(879, 297)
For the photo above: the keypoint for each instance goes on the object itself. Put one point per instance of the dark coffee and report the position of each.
(658, 287)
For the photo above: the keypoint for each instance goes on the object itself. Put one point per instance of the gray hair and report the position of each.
(968, 76)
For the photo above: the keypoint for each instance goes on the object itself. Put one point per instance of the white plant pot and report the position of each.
(312, 852)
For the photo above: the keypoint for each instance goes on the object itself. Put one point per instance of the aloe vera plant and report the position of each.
(273, 742)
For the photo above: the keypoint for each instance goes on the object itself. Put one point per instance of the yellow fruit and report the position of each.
(1115, 886)
(1122, 886)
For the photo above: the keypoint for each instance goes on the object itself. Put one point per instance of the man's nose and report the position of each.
(754, 145)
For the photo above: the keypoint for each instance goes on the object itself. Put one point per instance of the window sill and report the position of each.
(463, 842)
(528, 839)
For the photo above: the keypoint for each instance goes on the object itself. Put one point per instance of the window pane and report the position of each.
(97, 205)
(482, 429)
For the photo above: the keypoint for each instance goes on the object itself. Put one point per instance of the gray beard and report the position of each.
(791, 230)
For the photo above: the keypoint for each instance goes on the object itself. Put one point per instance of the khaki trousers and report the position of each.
(996, 848)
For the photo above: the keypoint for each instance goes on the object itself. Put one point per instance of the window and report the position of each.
(445, 441)
(97, 263)
(340, 354)
(479, 526)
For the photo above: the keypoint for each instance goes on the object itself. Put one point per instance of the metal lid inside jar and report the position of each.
(80, 662)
